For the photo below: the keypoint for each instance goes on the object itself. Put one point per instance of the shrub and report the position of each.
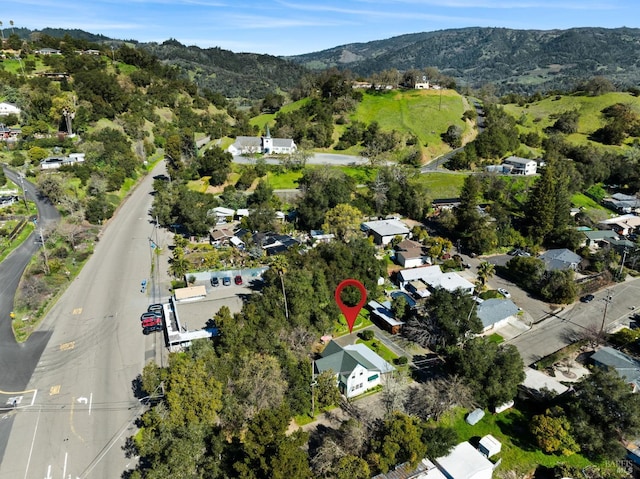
(367, 335)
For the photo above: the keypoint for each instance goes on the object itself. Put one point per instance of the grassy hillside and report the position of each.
(539, 115)
(424, 113)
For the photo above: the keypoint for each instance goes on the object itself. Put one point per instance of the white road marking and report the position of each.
(48, 472)
(82, 400)
(90, 402)
(26, 472)
(35, 393)
(64, 469)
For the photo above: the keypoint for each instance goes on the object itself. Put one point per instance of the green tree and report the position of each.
(453, 136)
(493, 372)
(267, 452)
(327, 392)
(215, 163)
(447, 320)
(603, 410)
(343, 220)
(552, 432)
(559, 287)
(398, 439)
(322, 189)
(352, 467)
(486, 271)
(526, 271)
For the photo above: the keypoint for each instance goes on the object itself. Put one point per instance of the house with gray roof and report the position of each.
(495, 313)
(626, 366)
(262, 144)
(520, 166)
(560, 259)
(383, 231)
(623, 203)
(595, 239)
(357, 368)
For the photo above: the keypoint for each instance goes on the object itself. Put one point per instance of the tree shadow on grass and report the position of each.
(515, 425)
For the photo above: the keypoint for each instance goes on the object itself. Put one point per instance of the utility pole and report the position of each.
(624, 256)
(314, 383)
(44, 252)
(607, 300)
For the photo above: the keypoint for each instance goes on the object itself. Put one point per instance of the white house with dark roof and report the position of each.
(626, 366)
(410, 254)
(383, 231)
(495, 313)
(560, 259)
(262, 144)
(357, 368)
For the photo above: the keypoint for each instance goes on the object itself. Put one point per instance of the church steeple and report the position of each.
(267, 142)
(268, 135)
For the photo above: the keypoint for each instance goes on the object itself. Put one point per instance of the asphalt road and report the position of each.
(79, 405)
(568, 325)
(17, 361)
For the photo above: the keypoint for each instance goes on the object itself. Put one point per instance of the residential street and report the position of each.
(79, 405)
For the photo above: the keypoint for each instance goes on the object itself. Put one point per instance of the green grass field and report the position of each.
(511, 428)
(443, 185)
(424, 113)
(537, 116)
(269, 118)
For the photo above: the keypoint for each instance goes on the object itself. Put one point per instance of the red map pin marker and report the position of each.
(351, 312)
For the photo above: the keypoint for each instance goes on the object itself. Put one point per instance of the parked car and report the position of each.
(151, 315)
(226, 281)
(504, 292)
(149, 322)
(238, 279)
(151, 329)
(215, 282)
(156, 308)
(587, 298)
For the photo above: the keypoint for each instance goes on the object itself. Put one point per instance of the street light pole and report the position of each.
(24, 192)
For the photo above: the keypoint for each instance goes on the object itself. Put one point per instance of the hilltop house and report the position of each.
(357, 368)
(520, 166)
(262, 144)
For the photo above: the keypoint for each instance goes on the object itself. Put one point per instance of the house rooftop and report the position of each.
(626, 366)
(387, 227)
(562, 258)
(494, 310)
(464, 462)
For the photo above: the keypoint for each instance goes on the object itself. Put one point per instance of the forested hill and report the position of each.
(245, 75)
(514, 60)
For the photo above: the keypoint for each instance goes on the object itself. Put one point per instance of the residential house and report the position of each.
(223, 214)
(262, 144)
(421, 85)
(9, 109)
(361, 85)
(465, 462)
(382, 316)
(357, 368)
(520, 166)
(595, 239)
(536, 382)
(319, 236)
(383, 231)
(55, 162)
(623, 225)
(273, 243)
(8, 200)
(626, 366)
(495, 313)
(47, 51)
(219, 236)
(560, 259)
(434, 278)
(622, 203)
(410, 254)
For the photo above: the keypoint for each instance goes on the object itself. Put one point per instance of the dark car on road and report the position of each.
(151, 329)
(587, 298)
(238, 279)
(215, 281)
(156, 308)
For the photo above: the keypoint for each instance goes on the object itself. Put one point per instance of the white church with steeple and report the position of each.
(247, 145)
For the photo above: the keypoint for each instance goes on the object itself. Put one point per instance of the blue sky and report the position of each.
(289, 27)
